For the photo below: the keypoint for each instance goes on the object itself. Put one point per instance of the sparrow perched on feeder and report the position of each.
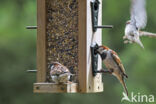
(137, 21)
(59, 73)
(113, 64)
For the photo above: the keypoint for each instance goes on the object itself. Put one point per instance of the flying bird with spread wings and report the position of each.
(138, 21)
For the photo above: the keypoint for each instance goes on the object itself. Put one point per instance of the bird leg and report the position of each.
(104, 71)
(128, 41)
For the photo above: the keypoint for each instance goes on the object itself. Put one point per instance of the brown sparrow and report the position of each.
(59, 73)
(113, 64)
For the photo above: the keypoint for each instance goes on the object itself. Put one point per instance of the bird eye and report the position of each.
(132, 35)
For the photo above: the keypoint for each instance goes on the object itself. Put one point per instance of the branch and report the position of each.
(144, 33)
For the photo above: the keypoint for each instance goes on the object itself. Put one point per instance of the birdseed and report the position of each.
(62, 34)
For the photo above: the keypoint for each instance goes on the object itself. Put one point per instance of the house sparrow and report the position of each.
(59, 73)
(138, 21)
(113, 64)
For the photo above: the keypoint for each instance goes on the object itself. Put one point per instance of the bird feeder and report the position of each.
(66, 31)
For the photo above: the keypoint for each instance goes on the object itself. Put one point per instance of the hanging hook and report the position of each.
(94, 57)
(95, 11)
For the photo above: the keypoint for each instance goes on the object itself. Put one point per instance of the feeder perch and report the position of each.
(95, 13)
(31, 27)
(67, 33)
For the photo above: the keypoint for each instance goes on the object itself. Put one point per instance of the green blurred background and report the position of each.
(18, 54)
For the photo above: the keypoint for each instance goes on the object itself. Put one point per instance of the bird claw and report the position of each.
(130, 42)
(124, 37)
(111, 71)
(126, 42)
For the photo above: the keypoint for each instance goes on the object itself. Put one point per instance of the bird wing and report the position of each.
(118, 61)
(138, 13)
(59, 69)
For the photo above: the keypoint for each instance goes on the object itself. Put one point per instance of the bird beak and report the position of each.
(97, 51)
(96, 47)
(140, 43)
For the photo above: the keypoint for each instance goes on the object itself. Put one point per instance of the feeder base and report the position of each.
(55, 88)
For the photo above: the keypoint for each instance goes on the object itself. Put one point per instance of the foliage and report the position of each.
(18, 54)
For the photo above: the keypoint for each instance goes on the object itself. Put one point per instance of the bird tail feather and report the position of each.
(124, 86)
(125, 75)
